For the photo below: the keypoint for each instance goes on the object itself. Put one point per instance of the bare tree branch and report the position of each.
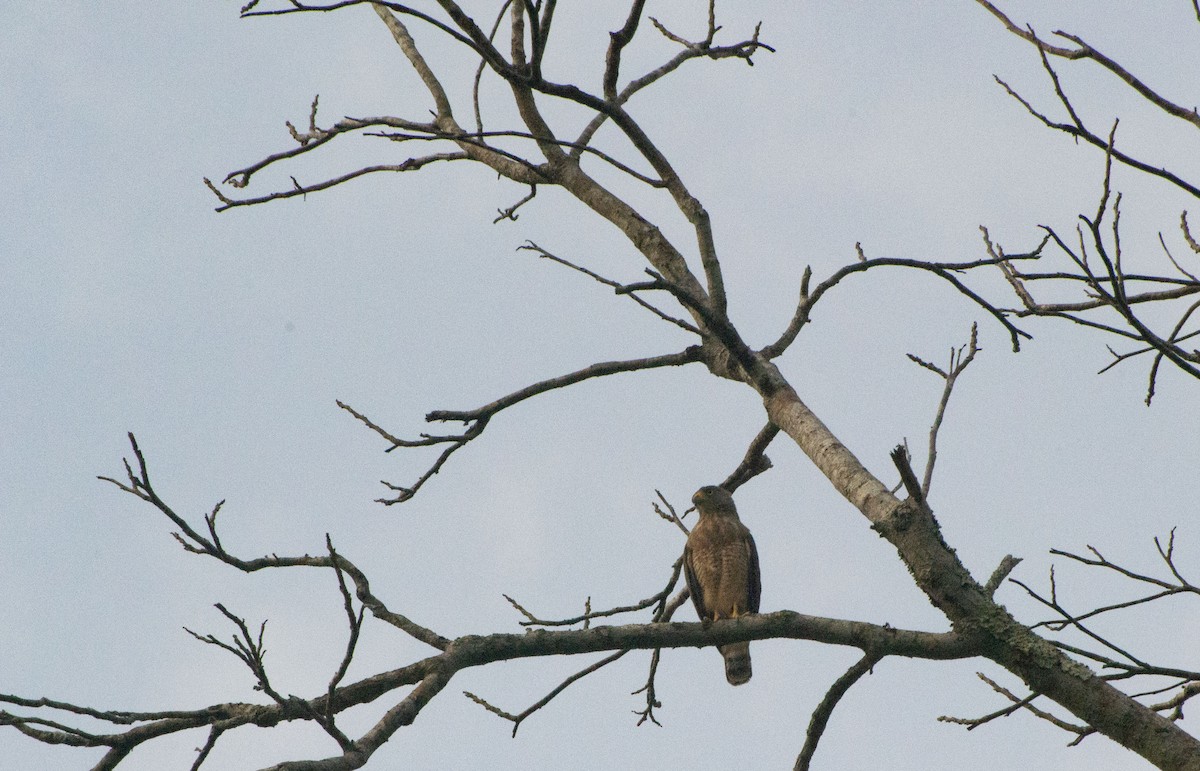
(908, 477)
(477, 419)
(213, 735)
(412, 164)
(958, 362)
(755, 461)
(620, 40)
(1072, 620)
(542, 702)
(1129, 666)
(1111, 289)
(429, 675)
(1025, 703)
(1085, 51)
(944, 270)
(656, 600)
(820, 716)
(139, 485)
(670, 515)
(622, 289)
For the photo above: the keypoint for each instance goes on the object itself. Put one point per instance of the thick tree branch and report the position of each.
(431, 675)
(911, 528)
(978, 625)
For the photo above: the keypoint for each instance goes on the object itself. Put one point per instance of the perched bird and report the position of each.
(721, 566)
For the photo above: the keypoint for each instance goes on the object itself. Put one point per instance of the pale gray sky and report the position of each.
(222, 341)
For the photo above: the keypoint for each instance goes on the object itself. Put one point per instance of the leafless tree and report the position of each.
(684, 286)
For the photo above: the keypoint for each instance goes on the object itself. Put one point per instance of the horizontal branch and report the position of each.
(658, 600)
(315, 137)
(1145, 297)
(943, 270)
(478, 418)
(412, 164)
(477, 650)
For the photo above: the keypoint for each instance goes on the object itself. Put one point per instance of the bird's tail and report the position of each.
(737, 662)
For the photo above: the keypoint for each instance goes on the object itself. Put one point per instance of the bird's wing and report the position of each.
(693, 583)
(753, 579)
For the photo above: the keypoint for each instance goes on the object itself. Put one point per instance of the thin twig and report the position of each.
(960, 359)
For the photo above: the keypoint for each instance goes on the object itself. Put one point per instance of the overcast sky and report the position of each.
(222, 341)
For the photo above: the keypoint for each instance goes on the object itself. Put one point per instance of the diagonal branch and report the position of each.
(1017, 704)
(820, 716)
(542, 702)
(622, 289)
(1074, 621)
(755, 461)
(1086, 51)
(477, 419)
(1078, 130)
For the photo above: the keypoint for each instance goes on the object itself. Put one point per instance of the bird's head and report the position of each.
(712, 500)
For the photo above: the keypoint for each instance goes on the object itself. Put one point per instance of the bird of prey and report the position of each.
(721, 566)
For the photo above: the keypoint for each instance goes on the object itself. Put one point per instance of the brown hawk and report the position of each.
(721, 566)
